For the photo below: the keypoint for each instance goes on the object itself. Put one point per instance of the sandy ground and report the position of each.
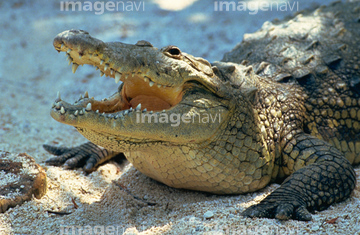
(31, 72)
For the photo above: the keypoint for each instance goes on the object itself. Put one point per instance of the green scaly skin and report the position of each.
(287, 100)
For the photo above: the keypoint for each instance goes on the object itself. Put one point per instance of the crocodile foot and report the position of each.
(87, 155)
(280, 209)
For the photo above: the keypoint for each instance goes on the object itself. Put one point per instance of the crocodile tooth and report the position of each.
(151, 112)
(81, 112)
(159, 86)
(110, 116)
(151, 83)
(86, 95)
(53, 105)
(126, 112)
(117, 116)
(132, 74)
(164, 111)
(58, 97)
(81, 97)
(68, 51)
(80, 56)
(145, 110)
(146, 79)
(68, 57)
(101, 62)
(57, 106)
(117, 77)
(111, 71)
(62, 46)
(101, 73)
(138, 107)
(62, 110)
(97, 111)
(126, 76)
(76, 112)
(88, 107)
(103, 114)
(74, 67)
(106, 67)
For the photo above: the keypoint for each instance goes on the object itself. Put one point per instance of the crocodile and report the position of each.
(282, 106)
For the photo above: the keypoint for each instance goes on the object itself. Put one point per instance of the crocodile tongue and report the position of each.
(151, 103)
(154, 98)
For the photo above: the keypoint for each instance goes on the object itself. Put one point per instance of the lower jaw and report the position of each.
(107, 129)
(114, 107)
(135, 125)
(69, 113)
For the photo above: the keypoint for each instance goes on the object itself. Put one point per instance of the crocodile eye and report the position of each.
(173, 51)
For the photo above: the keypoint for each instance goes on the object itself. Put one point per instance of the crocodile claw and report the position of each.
(278, 210)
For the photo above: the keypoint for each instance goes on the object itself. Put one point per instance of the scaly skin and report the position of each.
(287, 99)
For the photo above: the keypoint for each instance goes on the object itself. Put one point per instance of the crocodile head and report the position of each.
(158, 86)
(168, 101)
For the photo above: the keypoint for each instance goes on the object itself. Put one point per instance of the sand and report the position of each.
(31, 72)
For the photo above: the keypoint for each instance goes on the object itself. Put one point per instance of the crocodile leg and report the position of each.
(88, 155)
(322, 176)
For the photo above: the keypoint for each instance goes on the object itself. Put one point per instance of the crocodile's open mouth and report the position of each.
(141, 90)
(137, 91)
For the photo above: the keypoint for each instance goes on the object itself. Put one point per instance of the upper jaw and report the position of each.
(117, 60)
(123, 61)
